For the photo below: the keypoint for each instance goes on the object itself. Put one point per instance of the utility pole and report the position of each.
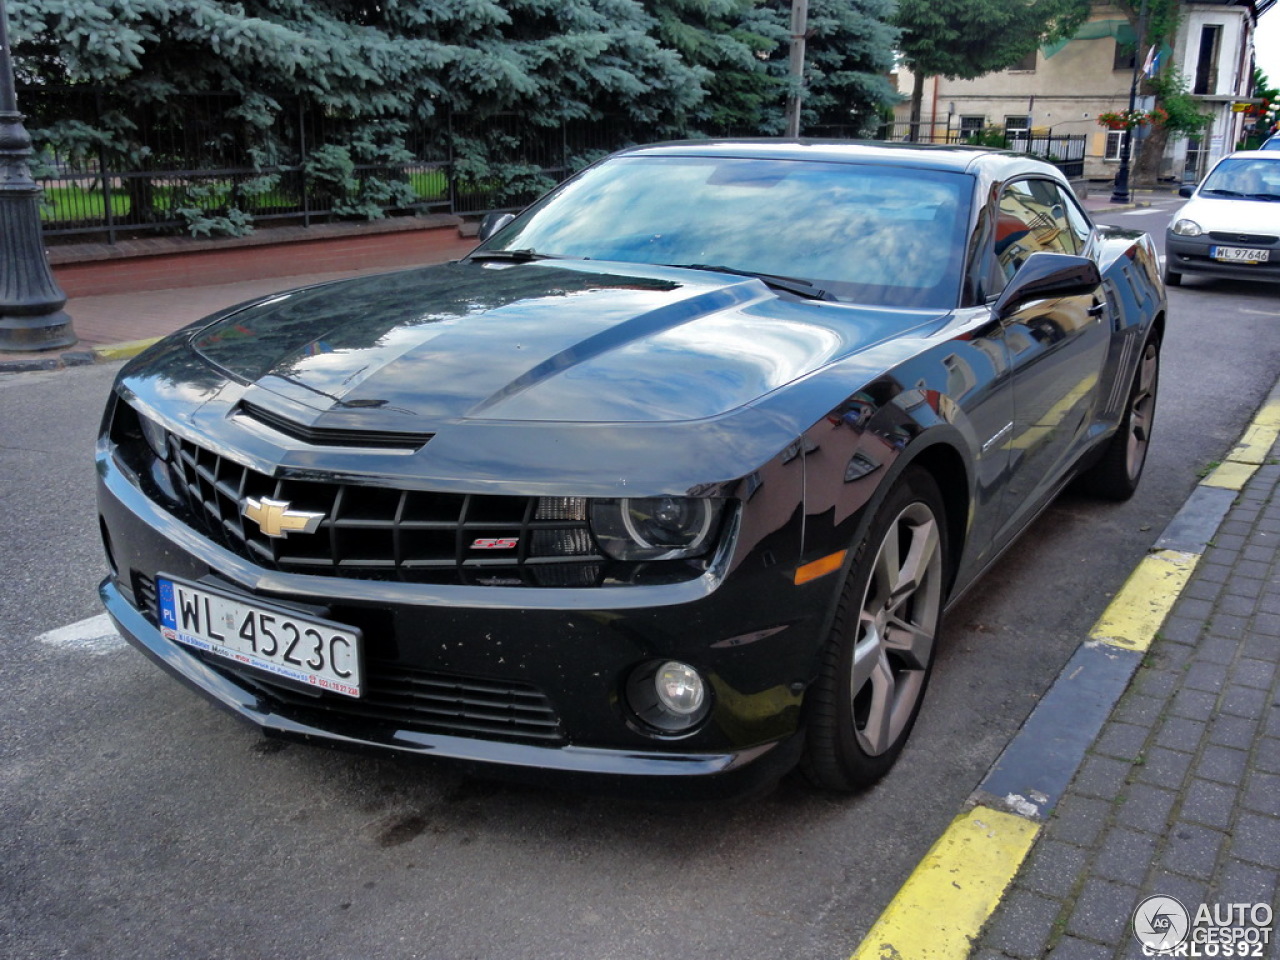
(799, 25)
(31, 315)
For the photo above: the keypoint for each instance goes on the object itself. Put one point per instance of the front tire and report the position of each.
(880, 653)
(1116, 475)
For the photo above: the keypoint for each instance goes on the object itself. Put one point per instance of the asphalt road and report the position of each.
(138, 822)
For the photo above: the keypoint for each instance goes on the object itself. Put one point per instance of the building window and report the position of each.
(1026, 65)
(1207, 62)
(1126, 56)
(1016, 126)
(1115, 141)
(971, 128)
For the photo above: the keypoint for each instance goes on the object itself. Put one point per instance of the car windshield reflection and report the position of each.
(1245, 178)
(859, 233)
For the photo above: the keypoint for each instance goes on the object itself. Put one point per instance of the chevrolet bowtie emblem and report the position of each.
(276, 519)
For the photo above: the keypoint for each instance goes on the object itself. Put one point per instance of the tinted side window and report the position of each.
(1034, 216)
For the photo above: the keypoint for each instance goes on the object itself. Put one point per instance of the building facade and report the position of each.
(1062, 88)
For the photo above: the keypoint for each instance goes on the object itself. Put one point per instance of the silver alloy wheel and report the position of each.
(1142, 406)
(897, 621)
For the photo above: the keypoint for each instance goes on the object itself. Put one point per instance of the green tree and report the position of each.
(365, 73)
(969, 38)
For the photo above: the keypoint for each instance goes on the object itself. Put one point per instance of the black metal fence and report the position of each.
(1065, 151)
(193, 165)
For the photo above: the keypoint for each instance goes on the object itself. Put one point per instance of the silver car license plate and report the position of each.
(1240, 254)
(284, 642)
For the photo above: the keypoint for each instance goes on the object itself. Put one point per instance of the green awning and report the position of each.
(1097, 30)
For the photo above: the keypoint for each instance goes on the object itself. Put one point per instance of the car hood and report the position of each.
(1230, 215)
(567, 341)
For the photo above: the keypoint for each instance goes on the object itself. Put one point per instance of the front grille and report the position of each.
(411, 699)
(1248, 239)
(379, 533)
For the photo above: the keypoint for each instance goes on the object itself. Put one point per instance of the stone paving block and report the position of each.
(1252, 568)
(1254, 673)
(1125, 856)
(1240, 701)
(1023, 925)
(1122, 740)
(1079, 820)
(1206, 676)
(1266, 755)
(1194, 609)
(1266, 622)
(1256, 839)
(1157, 683)
(1259, 551)
(1262, 793)
(1103, 911)
(1249, 588)
(1146, 807)
(1069, 948)
(1196, 704)
(1187, 891)
(1229, 731)
(1226, 625)
(1102, 776)
(1139, 709)
(1169, 654)
(1236, 605)
(1201, 590)
(1054, 868)
(1242, 882)
(1181, 629)
(1163, 767)
(1208, 803)
(1217, 649)
(1192, 850)
(1179, 733)
(1235, 527)
(1222, 764)
(1213, 572)
(1228, 541)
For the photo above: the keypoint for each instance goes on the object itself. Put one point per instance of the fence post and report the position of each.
(302, 163)
(104, 174)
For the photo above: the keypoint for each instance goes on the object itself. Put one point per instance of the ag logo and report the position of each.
(1161, 923)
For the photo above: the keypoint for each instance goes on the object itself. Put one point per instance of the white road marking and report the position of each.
(96, 635)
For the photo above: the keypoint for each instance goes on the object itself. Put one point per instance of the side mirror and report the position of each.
(492, 223)
(1186, 190)
(1045, 275)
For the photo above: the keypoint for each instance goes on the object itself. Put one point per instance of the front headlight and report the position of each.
(655, 528)
(155, 436)
(1187, 228)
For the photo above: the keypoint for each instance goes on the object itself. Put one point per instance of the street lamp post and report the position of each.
(31, 314)
(1121, 192)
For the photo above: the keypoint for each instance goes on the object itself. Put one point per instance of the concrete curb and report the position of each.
(968, 870)
(77, 358)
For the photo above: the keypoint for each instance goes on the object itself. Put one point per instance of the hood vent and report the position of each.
(333, 437)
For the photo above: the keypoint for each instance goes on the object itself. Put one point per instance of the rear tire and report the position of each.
(880, 653)
(1116, 475)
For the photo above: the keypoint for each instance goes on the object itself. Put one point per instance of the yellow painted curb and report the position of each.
(1255, 445)
(941, 908)
(1231, 475)
(123, 351)
(1137, 611)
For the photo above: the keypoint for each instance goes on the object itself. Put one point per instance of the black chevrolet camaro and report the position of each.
(669, 482)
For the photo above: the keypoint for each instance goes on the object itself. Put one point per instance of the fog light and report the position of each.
(680, 688)
(668, 695)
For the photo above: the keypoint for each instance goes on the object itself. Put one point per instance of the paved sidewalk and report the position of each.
(1180, 794)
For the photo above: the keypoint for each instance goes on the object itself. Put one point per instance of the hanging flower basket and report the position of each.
(1128, 119)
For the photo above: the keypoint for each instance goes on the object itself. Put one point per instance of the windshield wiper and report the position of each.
(1270, 197)
(1223, 193)
(515, 256)
(794, 285)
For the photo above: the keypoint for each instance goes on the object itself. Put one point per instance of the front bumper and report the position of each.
(1193, 255)
(754, 635)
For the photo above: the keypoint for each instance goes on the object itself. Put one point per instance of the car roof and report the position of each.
(958, 157)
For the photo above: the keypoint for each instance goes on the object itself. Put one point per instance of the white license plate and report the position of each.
(280, 641)
(1240, 254)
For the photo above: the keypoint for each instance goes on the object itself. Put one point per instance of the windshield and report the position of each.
(1253, 178)
(859, 233)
